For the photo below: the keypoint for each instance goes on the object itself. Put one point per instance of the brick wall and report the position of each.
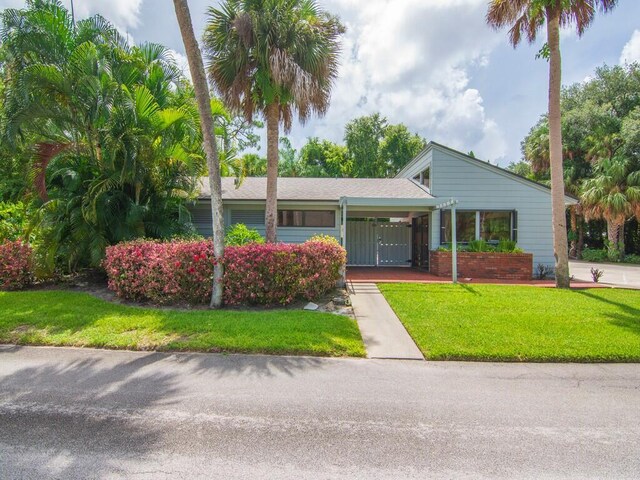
(499, 266)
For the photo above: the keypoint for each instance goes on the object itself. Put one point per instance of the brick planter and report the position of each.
(499, 266)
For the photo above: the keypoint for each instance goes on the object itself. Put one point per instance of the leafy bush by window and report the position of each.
(239, 234)
(325, 238)
(16, 265)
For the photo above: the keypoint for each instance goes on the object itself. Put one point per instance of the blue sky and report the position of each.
(431, 64)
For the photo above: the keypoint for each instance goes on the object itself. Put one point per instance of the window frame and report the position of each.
(304, 217)
(513, 226)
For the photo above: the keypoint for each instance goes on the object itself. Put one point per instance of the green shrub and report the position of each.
(324, 239)
(631, 258)
(13, 221)
(480, 246)
(239, 234)
(594, 255)
(508, 246)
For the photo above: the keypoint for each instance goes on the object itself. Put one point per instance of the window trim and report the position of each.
(332, 226)
(513, 223)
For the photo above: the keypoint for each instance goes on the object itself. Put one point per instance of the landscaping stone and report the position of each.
(311, 306)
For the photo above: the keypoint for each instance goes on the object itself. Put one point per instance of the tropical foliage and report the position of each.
(274, 57)
(111, 128)
(600, 125)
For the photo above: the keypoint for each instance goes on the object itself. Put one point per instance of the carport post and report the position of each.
(454, 246)
(343, 202)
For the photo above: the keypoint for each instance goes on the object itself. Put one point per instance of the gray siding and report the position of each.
(201, 218)
(483, 188)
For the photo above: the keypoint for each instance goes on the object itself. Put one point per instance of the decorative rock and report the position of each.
(340, 300)
(311, 306)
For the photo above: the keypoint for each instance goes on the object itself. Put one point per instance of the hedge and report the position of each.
(255, 274)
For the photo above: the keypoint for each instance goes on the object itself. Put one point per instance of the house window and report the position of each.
(489, 225)
(424, 177)
(465, 226)
(495, 226)
(306, 218)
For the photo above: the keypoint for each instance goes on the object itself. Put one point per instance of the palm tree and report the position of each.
(199, 77)
(525, 18)
(277, 58)
(613, 194)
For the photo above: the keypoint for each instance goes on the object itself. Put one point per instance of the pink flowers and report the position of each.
(163, 273)
(16, 265)
(265, 274)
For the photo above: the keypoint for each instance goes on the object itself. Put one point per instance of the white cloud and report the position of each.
(631, 51)
(123, 14)
(411, 61)
(181, 62)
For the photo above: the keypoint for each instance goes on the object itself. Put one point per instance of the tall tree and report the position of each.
(275, 57)
(325, 159)
(378, 149)
(199, 77)
(526, 17)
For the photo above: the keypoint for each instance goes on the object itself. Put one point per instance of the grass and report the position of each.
(81, 320)
(519, 323)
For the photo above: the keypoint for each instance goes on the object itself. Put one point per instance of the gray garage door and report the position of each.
(378, 244)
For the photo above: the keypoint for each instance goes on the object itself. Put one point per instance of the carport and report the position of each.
(390, 232)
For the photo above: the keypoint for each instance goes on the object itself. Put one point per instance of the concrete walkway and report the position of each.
(383, 334)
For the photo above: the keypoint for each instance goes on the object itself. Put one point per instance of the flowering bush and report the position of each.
(264, 274)
(16, 265)
(171, 272)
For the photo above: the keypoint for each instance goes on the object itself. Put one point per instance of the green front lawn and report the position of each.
(79, 319)
(516, 323)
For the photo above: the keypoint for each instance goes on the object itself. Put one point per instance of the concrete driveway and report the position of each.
(68, 413)
(622, 275)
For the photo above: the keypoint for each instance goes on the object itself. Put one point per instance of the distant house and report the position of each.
(397, 221)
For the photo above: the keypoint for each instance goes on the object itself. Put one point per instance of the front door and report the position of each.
(420, 256)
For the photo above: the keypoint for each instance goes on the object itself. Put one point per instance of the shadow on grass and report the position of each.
(629, 316)
(73, 319)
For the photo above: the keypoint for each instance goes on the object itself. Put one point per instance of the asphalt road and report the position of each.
(68, 413)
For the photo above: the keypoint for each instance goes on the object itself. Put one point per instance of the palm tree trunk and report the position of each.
(615, 236)
(198, 75)
(580, 238)
(271, 211)
(613, 232)
(573, 250)
(558, 216)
